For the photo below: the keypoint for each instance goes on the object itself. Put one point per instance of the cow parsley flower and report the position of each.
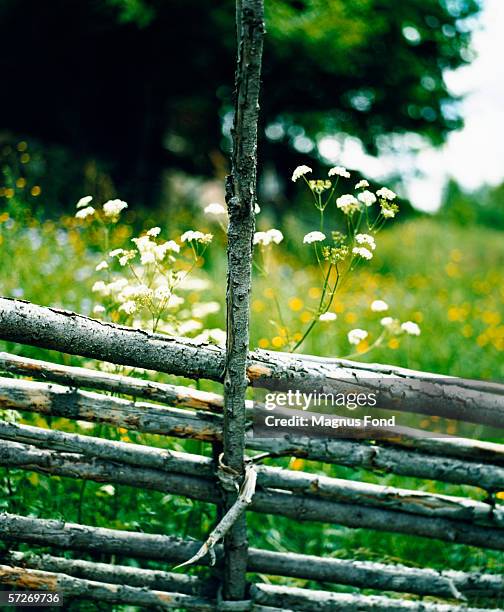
(113, 208)
(98, 309)
(215, 209)
(347, 203)
(393, 326)
(362, 184)
(379, 306)
(83, 213)
(126, 256)
(275, 235)
(328, 316)
(83, 201)
(367, 197)
(388, 212)
(117, 285)
(163, 292)
(299, 172)
(314, 237)
(356, 336)
(99, 287)
(128, 307)
(140, 294)
(103, 265)
(266, 238)
(339, 171)
(362, 252)
(410, 328)
(191, 235)
(116, 252)
(160, 250)
(366, 239)
(386, 194)
(154, 231)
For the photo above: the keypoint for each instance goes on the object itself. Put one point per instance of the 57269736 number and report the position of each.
(30, 598)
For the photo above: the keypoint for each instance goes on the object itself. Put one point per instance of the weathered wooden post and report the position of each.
(241, 200)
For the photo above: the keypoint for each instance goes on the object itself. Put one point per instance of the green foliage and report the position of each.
(133, 11)
(482, 207)
(135, 92)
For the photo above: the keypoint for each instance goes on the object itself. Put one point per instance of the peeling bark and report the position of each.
(364, 574)
(78, 448)
(157, 580)
(447, 446)
(71, 587)
(350, 513)
(82, 405)
(71, 403)
(309, 600)
(79, 335)
(125, 385)
(241, 199)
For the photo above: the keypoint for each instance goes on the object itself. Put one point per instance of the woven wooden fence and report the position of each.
(233, 478)
(183, 412)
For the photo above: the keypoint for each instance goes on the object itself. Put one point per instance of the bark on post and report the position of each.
(241, 200)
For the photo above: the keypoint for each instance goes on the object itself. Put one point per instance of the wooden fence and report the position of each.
(81, 394)
(182, 412)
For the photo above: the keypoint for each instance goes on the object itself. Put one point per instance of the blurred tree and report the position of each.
(482, 207)
(142, 85)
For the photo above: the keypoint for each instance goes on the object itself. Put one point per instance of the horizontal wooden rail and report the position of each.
(315, 485)
(78, 335)
(363, 574)
(381, 458)
(56, 400)
(72, 376)
(69, 586)
(179, 396)
(156, 580)
(71, 403)
(264, 597)
(309, 600)
(271, 501)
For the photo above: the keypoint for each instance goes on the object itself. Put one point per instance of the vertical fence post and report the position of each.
(241, 200)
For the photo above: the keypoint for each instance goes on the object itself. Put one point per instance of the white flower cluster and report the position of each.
(386, 194)
(299, 172)
(314, 237)
(113, 208)
(366, 239)
(363, 252)
(83, 213)
(266, 238)
(395, 327)
(356, 336)
(196, 236)
(150, 251)
(362, 184)
(110, 210)
(368, 198)
(347, 203)
(339, 171)
(367, 247)
(328, 316)
(215, 209)
(410, 328)
(379, 306)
